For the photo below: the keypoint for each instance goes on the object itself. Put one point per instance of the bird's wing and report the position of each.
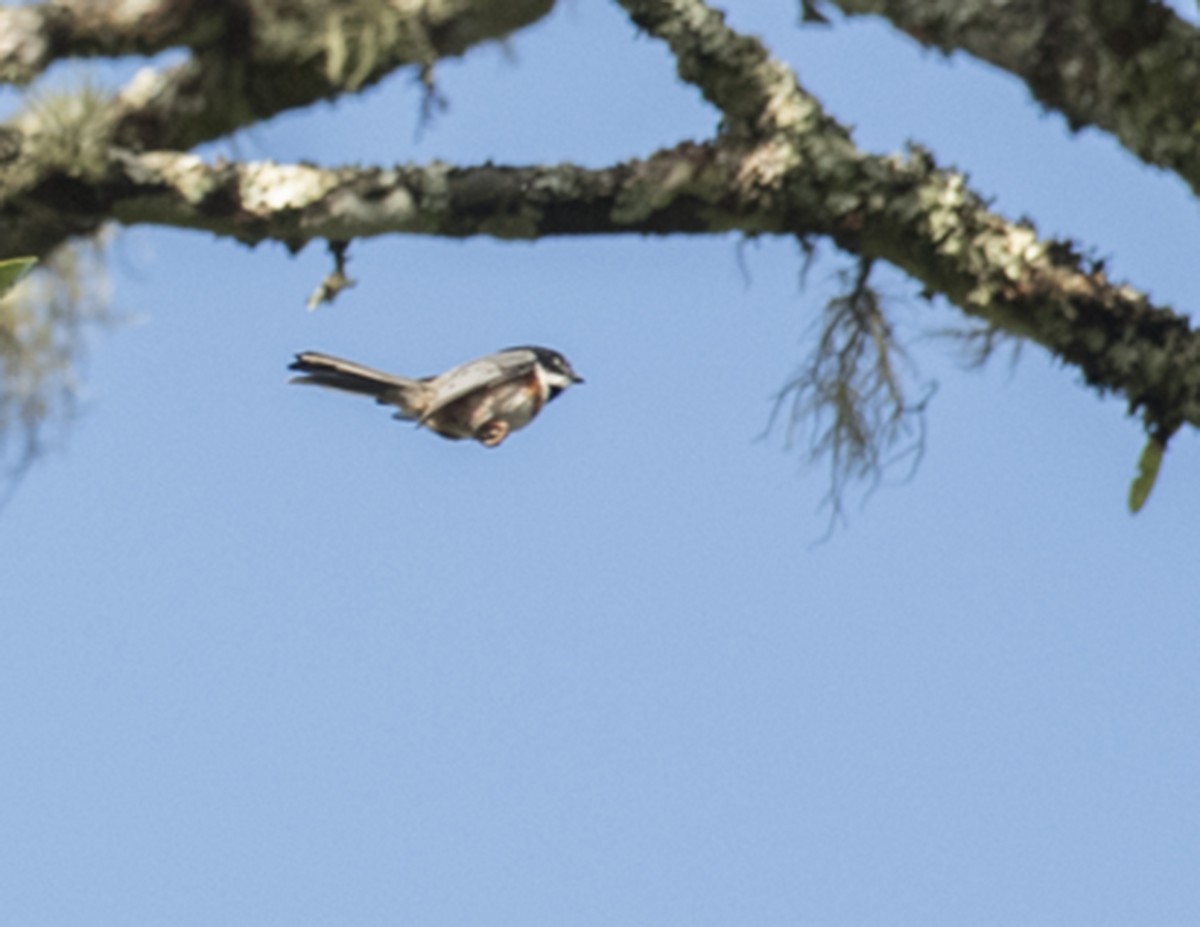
(492, 370)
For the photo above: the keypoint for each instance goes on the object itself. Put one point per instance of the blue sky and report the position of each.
(269, 657)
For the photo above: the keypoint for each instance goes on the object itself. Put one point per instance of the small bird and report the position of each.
(485, 399)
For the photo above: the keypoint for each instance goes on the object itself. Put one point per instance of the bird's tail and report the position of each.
(335, 373)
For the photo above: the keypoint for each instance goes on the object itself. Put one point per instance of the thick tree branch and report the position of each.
(908, 211)
(928, 223)
(1131, 68)
(251, 60)
(33, 37)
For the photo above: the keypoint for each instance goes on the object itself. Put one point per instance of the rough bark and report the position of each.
(251, 59)
(927, 222)
(1128, 67)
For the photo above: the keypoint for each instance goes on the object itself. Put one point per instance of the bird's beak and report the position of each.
(576, 378)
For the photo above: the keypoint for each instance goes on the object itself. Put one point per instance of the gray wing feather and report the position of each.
(491, 370)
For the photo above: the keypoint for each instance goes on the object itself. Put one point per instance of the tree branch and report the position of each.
(34, 37)
(926, 221)
(1131, 68)
(908, 211)
(251, 60)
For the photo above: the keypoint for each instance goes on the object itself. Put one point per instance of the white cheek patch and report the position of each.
(556, 381)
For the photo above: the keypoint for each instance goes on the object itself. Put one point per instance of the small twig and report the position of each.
(336, 281)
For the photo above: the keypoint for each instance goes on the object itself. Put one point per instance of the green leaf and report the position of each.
(13, 270)
(1148, 464)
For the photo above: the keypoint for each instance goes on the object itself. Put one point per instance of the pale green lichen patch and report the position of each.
(268, 188)
(656, 185)
(188, 175)
(365, 209)
(67, 131)
(522, 224)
